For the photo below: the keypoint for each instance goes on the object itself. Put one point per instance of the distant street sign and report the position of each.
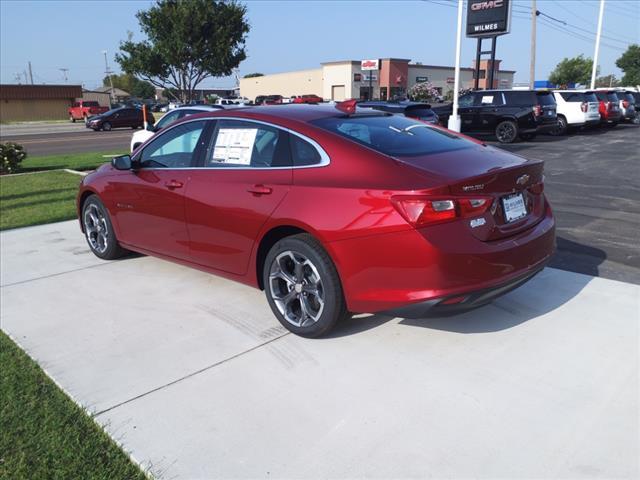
(488, 18)
(422, 79)
(369, 65)
(451, 80)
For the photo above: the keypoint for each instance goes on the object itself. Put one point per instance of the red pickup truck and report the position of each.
(84, 109)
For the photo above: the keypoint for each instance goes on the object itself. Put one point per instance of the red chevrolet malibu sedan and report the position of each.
(329, 209)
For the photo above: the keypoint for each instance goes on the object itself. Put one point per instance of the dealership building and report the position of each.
(346, 79)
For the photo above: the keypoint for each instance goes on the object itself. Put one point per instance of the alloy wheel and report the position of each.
(506, 132)
(296, 288)
(96, 228)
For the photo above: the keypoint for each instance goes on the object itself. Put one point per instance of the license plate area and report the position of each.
(514, 207)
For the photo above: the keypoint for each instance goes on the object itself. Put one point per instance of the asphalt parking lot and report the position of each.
(593, 184)
(194, 377)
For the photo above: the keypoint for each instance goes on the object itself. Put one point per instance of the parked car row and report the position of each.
(510, 115)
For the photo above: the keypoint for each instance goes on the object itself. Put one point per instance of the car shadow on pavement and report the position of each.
(549, 290)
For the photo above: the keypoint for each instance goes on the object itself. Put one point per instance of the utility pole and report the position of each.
(108, 73)
(30, 73)
(64, 72)
(532, 65)
(594, 69)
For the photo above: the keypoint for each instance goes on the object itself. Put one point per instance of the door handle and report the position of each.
(171, 184)
(259, 190)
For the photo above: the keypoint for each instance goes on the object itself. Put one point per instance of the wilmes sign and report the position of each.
(488, 18)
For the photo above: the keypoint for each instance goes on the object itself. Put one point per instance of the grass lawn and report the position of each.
(73, 161)
(44, 434)
(37, 198)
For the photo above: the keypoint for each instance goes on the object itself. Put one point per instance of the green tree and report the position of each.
(253, 75)
(629, 63)
(187, 42)
(607, 81)
(572, 70)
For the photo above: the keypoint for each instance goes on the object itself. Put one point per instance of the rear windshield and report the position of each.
(394, 135)
(573, 96)
(612, 97)
(91, 104)
(546, 98)
(629, 97)
(590, 97)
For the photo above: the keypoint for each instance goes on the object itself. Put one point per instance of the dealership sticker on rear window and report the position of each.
(234, 145)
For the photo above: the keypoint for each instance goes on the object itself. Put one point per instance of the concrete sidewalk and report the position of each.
(195, 377)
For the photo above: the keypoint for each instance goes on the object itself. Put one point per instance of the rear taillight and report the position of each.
(625, 104)
(422, 210)
(584, 107)
(537, 110)
(537, 188)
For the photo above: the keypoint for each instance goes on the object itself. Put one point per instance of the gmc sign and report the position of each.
(488, 18)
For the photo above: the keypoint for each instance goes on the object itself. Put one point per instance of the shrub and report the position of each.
(11, 155)
(423, 92)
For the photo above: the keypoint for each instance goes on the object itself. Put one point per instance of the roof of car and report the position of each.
(204, 108)
(300, 112)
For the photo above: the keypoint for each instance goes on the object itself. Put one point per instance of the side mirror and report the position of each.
(151, 127)
(123, 162)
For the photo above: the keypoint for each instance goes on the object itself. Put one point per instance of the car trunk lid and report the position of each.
(499, 177)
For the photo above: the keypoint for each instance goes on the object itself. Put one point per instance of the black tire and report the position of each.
(612, 125)
(285, 257)
(108, 248)
(561, 128)
(507, 131)
(106, 126)
(71, 119)
(528, 136)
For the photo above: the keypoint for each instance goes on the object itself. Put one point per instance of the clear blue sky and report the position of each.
(291, 35)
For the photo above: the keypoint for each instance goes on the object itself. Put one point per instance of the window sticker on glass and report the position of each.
(487, 99)
(234, 145)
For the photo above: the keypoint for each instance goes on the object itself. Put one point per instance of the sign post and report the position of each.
(487, 19)
(370, 65)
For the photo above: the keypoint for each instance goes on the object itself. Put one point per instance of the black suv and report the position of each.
(507, 114)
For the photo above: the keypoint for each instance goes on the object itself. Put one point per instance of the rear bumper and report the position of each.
(425, 267)
(466, 301)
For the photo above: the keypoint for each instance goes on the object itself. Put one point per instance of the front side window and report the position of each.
(175, 148)
(466, 101)
(168, 119)
(394, 135)
(238, 143)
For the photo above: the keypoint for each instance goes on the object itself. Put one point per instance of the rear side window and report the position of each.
(612, 97)
(523, 98)
(545, 99)
(488, 98)
(573, 96)
(303, 153)
(243, 144)
(394, 135)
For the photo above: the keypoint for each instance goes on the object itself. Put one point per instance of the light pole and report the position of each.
(594, 69)
(454, 119)
(108, 73)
